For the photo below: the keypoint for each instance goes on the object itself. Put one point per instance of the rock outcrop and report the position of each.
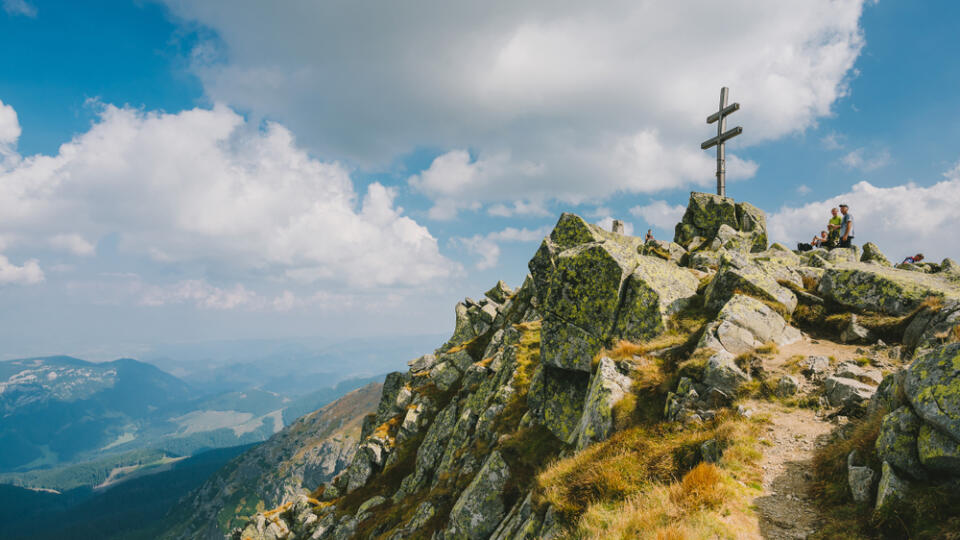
(542, 371)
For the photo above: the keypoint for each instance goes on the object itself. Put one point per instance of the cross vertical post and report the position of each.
(720, 117)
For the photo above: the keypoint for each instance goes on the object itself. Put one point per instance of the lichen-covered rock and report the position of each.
(556, 400)
(815, 367)
(932, 385)
(499, 293)
(444, 375)
(752, 220)
(392, 386)
(738, 277)
(870, 287)
(897, 442)
(938, 453)
(866, 375)
(607, 387)
(704, 215)
(889, 395)
(595, 288)
(480, 507)
(872, 254)
(892, 488)
(841, 255)
(668, 251)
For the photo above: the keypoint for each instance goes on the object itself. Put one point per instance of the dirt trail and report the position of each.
(785, 509)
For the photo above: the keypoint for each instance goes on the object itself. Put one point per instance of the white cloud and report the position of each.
(803, 189)
(660, 214)
(204, 186)
(27, 274)
(833, 141)
(199, 293)
(73, 243)
(487, 247)
(557, 101)
(19, 7)
(902, 220)
(862, 160)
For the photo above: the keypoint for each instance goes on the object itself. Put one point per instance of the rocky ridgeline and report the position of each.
(308, 452)
(453, 447)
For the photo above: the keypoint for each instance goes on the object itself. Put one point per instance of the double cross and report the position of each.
(720, 117)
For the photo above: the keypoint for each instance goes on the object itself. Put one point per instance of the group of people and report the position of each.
(839, 232)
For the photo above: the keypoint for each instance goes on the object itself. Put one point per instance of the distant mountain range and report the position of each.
(68, 423)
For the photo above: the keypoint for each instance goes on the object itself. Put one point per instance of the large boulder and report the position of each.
(704, 216)
(932, 385)
(707, 213)
(872, 287)
(480, 507)
(897, 442)
(595, 288)
(746, 323)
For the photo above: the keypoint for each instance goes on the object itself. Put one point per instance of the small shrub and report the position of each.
(702, 487)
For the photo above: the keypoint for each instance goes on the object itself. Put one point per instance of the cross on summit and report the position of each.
(720, 117)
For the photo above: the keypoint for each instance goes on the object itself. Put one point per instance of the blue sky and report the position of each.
(239, 169)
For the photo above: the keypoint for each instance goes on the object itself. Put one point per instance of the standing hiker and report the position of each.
(846, 226)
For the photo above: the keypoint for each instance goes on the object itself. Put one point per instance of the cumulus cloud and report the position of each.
(19, 7)
(27, 274)
(199, 293)
(204, 186)
(902, 220)
(866, 161)
(72, 243)
(660, 214)
(532, 101)
(487, 247)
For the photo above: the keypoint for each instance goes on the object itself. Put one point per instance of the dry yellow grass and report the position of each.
(647, 483)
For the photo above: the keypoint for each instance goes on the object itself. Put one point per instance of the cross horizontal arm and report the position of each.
(722, 138)
(726, 110)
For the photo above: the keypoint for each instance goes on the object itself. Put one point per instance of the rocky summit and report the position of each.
(713, 386)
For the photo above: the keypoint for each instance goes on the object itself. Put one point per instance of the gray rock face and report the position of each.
(480, 508)
(742, 277)
(746, 323)
(855, 333)
(607, 387)
(860, 478)
(892, 488)
(816, 367)
(938, 453)
(844, 391)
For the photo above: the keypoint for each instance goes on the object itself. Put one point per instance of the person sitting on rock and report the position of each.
(833, 226)
(846, 226)
(913, 260)
(820, 241)
(649, 237)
